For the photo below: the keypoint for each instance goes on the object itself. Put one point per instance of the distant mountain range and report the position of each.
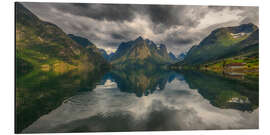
(156, 54)
(173, 57)
(106, 55)
(224, 43)
(132, 51)
(181, 56)
(43, 45)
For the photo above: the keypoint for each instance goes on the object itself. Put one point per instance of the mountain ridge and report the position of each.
(139, 51)
(80, 40)
(241, 55)
(219, 43)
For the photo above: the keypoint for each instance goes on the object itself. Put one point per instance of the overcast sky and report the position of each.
(179, 27)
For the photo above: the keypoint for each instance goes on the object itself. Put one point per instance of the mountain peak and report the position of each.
(141, 49)
(139, 38)
(172, 56)
(249, 27)
(162, 46)
(248, 24)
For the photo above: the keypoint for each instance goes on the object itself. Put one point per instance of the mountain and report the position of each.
(44, 46)
(80, 40)
(162, 51)
(223, 43)
(111, 55)
(181, 56)
(90, 47)
(87, 44)
(173, 57)
(140, 52)
(104, 54)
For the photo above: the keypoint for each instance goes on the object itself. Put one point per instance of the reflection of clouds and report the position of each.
(108, 84)
(177, 107)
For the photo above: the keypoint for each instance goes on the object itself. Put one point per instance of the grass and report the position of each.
(251, 64)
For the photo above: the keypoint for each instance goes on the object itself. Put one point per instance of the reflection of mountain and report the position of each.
(223, 92)
(37, 93)
(106, 108)
(140, 81)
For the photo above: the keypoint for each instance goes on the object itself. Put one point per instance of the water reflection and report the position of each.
(224, 92)
(38, 92)
(141, 100)
(140, 81)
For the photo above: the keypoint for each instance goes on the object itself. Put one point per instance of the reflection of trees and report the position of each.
(140, 81)
(223, 92)
(37, 93)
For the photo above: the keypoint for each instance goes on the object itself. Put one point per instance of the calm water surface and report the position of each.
(147, 100)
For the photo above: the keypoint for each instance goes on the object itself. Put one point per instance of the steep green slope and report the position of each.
(246, 53)
(223, 42)
(233, 51)
(43, 45)
(140, 52)
(93, 51)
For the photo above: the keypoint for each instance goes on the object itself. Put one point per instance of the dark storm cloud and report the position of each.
(161, 15)
(165, 15)
(182, 41)
(123, 35)
(107, 25)
(79, 27)
(108, 12)
(179, 38)
(117, 36)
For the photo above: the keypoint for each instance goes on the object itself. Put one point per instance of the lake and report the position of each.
(134, 100)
